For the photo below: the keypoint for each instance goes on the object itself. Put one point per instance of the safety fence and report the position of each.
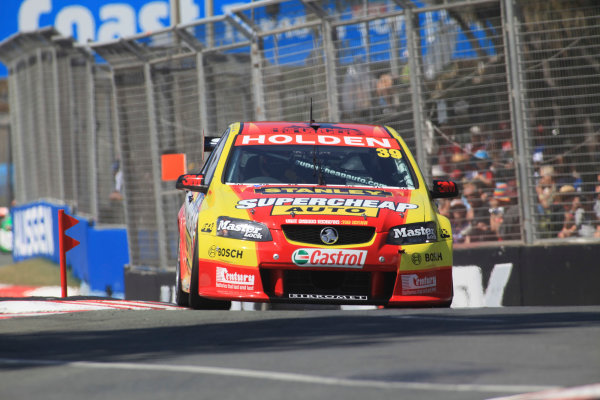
(498, 95)
(5, 156)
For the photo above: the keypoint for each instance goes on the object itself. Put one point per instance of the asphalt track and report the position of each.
(299, 354)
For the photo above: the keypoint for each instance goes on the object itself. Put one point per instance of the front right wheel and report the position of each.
(181, 297)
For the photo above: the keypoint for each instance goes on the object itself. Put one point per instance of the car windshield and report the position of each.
(319, 165)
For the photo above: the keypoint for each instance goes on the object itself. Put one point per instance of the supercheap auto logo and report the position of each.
(322, 205)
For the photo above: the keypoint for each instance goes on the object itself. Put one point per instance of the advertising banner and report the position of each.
(105, 20)
(35, 231)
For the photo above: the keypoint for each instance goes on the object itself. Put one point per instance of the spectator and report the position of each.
(576, 221)
(461, 227)
(596, 207)
(504, 213)
(549, 213)
(444, 207)
(357, 90)
(482, 171)
(385, 98)
(477, 140)
(476, 202)
(566, 174)
(117, 194)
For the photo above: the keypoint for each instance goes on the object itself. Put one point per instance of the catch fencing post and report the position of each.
(416, 95)
(519, 128)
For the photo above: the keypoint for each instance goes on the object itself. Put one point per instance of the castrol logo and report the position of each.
(329, 258)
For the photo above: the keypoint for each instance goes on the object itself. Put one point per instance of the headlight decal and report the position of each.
(235, 228)
(413, 233)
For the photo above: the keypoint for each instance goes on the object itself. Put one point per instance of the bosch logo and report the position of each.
(215, 251)
(329, 235)
(212, 252)
(416, 258)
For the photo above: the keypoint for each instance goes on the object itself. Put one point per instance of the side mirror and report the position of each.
(444, 189)
(192, 182)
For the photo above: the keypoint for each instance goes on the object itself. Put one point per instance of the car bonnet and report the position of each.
(276, 205)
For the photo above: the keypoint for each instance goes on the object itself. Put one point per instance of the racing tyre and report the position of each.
(181, 297)
(196, 301)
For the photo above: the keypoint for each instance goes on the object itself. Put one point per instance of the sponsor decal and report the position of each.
(33, 232)
(329, 258)
(317, 205)
(341, 211)
(329, 235)
(432, 257)
(446, 186)
(207, 227)
(324, 128)
(317, 190)
(314, 221)
(385, 153)
(312, 139)
(413, 284)
(215, 251)
(242, 229)
(416, 258)
(347, 297)
(422, 231)
(234, 280)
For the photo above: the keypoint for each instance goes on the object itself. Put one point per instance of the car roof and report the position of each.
(280, 127)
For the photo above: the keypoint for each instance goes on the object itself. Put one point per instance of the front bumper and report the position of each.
(415, 275)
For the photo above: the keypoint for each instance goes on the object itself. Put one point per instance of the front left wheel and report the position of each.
(196, 301)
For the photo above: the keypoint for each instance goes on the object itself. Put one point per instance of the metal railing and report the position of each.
(498, 95)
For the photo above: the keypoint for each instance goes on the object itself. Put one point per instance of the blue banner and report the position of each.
(104, 20)
(35, 231)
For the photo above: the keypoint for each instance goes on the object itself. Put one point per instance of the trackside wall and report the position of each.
(483, 277)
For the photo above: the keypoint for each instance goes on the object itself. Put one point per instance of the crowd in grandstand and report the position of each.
(488, 210)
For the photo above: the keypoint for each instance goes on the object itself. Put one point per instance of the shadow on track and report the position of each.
(137, 336)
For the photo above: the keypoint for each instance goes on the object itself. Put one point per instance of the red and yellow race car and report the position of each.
(302, 212)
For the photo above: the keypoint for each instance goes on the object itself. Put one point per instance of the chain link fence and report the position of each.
(6, 169)
(498, 95)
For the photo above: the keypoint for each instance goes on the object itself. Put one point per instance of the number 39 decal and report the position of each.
(386, 153)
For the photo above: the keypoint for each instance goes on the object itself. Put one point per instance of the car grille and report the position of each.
(311, 234)
(330, 283)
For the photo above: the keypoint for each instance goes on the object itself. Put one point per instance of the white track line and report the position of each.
(30, 308)
(586, 392)
(282, 376)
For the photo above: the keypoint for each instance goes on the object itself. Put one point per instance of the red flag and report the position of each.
(67, 222)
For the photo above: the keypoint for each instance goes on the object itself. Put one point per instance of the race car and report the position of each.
(306, 212)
